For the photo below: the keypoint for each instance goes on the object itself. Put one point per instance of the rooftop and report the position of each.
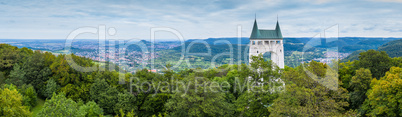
(266, 34)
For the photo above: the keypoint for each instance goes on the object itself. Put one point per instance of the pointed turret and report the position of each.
(255, 33)
(278, 29)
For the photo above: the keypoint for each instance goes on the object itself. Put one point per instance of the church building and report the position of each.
(262, 41)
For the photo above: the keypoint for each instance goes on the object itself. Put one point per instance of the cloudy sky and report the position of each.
(54, 19)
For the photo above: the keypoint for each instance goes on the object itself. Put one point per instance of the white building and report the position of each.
(262, 41)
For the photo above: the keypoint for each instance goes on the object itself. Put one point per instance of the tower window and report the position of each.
(253, 42)
(257, 51)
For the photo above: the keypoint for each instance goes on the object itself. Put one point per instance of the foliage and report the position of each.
(37, 73)
(310, 95)
(11, 103)
(397, 62)
(9, 55)
(353, 56)
(377, 62)
(125, 102)
(262, 91)
(91, 109)
(359, 84)
(74, 83)
(2, 78)
(29, 96)
(385, 95)
(312, 89)
(51, 87)
(64, 73)
(17, 76)
(104, 95)
(59, 106)
(198, 102)
(346, 72)
(254, 104)
(262, 70)
(393, 48)
(128, 114)
(150, 98)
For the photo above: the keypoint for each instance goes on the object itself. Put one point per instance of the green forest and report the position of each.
(35, 83)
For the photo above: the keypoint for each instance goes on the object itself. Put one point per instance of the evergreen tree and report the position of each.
(17, 76)
(51, 87)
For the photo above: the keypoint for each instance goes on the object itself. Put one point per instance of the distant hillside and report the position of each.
(220, 41)
(351, 44)
(290, 44)
(354, 56)
(201, 55)
(393, 48)
(293, 50)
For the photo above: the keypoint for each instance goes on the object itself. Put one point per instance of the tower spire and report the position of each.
(278, 29)
(255, 33)
(277, 18)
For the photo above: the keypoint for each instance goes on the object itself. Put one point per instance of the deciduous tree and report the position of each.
(377, 62)
(9, 55)
(104, 95)
(385, 95)
(359, 84)
(60, 106)
(91, 109)
(197, 102)
(310, 95)
(11, 104)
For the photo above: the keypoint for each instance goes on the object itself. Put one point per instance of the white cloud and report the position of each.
(400, 1)
(199, 19)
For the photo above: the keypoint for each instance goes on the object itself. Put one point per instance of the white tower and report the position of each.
(262, 41)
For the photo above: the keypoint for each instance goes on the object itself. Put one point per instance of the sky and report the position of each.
(197, 19)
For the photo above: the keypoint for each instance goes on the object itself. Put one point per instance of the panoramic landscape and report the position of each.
(256, 58)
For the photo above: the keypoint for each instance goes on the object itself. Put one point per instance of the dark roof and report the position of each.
(266, 34)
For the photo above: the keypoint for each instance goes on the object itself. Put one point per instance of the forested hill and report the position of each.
(392, 48)
(345, 44)
(35, 83)
(196, 51)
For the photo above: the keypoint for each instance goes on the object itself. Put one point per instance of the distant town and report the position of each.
(132, 57)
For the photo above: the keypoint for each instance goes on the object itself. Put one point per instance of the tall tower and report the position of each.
(262, 41)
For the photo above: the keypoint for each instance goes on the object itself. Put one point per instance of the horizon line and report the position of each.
(193, 38)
